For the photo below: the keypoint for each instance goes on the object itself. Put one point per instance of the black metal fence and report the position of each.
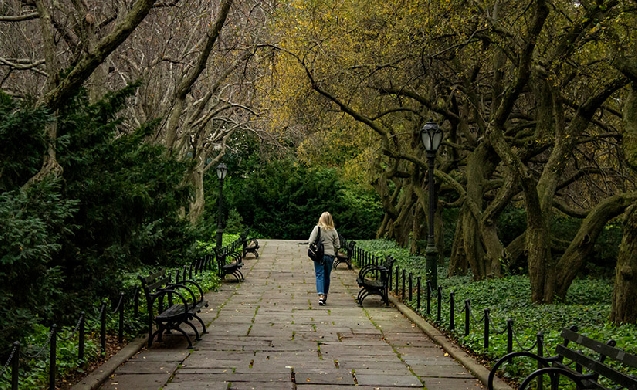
(448, 309)
(126, 300)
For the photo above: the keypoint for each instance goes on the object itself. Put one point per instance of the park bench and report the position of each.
(174, 304)
(229, 262)
(374, 280)
(584, 364)
(344, 257)
(250, 245)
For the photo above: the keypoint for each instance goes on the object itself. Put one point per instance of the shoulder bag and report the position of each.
(316, 249)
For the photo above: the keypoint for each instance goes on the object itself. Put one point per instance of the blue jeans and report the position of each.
(322, 271)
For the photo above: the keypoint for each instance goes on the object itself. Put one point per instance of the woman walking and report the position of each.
(323, 269)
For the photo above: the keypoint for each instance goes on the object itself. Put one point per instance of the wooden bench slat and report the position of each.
(594, 367)
(602, 348)
(597, 367)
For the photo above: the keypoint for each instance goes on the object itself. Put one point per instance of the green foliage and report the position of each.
(33, 221)
(34, 372)
(601, 262)
(65, 245)
(512, 223)
(129, 195)
(22, 142)
(284, 200)
(586, 305)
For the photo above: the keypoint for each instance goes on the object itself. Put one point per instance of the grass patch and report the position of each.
(587, 305)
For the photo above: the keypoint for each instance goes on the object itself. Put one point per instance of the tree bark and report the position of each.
(190, 79)
(58, 95)
(458, 260)
(623, 309)
(581, 246)
(59, 90)
(196, 207)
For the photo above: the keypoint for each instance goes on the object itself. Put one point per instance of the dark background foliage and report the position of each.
(284, 199)
(64, 243)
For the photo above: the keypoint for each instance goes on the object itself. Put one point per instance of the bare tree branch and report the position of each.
(19, 18)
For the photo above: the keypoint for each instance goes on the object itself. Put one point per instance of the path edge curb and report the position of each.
(96, 378)
(477, 369)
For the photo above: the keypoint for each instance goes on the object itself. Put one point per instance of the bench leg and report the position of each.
(185, 334)
(362, 295)
(197, 337)
(204, 331)
(386, 296)
(238, 275)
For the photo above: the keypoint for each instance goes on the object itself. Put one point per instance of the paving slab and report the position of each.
(380, 380)
(136, 381)
(148, 367)
(268, 332)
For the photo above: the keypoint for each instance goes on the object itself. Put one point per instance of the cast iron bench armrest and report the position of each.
(185, 302)
(185, 285)
(229, 268)
(373, 279)
(588, 370)
(158, 289)
(545, 361)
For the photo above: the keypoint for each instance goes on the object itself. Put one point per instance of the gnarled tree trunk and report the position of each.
(623, 309)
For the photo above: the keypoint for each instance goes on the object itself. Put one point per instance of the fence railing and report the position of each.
(405, 285)
(126, 300)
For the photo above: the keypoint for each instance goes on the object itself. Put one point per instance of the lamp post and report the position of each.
(431, 135)
(222, 170)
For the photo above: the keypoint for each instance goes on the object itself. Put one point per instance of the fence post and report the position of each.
(53, 357)
(80, 353)
(509, 335)
(103, 328)
(397, 279)
(439, 308)
(15, 366)
(428, 284)
(418, 292)
(411, 287)
(136, 299)
(486, 328)
(467, 317)
(540, 352)
(404, 282)
(452, 311)
(120, 331)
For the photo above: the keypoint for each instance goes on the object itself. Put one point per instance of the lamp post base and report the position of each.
(431, 265)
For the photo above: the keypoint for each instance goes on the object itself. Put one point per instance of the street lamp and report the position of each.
(431, 135)
(222, 171)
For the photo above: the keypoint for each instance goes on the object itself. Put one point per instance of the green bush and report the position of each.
(22, 141)
(65, 244)
(33, 222)
(284, 200)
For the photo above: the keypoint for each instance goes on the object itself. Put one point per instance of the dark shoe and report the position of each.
(322, 302)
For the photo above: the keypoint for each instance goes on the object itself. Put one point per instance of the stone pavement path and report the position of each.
(269, 332)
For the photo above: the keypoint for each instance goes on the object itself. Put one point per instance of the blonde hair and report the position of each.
(326, 221)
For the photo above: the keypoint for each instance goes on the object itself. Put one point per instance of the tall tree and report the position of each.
(66, 52)
(526, 93)
(197, 63)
